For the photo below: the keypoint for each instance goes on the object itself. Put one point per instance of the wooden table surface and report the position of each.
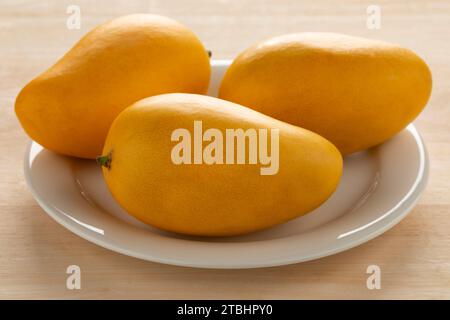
(35, 251)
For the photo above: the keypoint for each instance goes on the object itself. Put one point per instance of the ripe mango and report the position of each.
(353, 91)
(70, 107)
(206, 198)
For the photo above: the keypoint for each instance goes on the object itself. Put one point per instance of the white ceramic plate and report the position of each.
(378, 188)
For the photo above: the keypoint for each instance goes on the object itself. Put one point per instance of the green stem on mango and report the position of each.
(105, 161)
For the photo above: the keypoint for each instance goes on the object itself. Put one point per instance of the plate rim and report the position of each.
(409, 201)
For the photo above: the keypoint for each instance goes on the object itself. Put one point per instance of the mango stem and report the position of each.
(209, 52)
(105, 161)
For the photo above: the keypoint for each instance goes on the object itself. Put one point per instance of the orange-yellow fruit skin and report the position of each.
(355, 92)
(216, 199)
(70, 107)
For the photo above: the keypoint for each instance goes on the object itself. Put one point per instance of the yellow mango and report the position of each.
(353, 91)
(70, 107)
(220, 191)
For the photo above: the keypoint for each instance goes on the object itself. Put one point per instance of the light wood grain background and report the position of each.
(414, 256)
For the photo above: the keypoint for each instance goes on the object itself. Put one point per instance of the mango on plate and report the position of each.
(70, 107)
(199, 165)
(353, 91)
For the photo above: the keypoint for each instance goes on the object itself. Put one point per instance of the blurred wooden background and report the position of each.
(414, 256)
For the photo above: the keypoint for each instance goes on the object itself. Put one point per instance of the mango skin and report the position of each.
(70, 107)
(217, 199)
(353, 91)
